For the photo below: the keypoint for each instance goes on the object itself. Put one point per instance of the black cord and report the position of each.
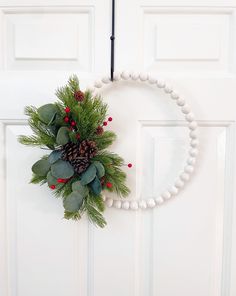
(112, 38)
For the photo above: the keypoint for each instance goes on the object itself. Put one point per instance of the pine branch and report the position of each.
(65, 189)
(113, 173)
(94, 215)
(38, 180)
(31, 140)
(43, 133)
(105, 140)
(96, 201)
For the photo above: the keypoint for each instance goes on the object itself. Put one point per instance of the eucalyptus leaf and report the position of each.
(62, 169)
(88, 175)
(100, 169)
(41, 167)
(47, 113)
(63, 136)
(96, 186)
(54, 156)
(51, 179)
(81, 189)
(73, 202)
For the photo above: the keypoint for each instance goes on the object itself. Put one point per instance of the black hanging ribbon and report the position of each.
(112, 38)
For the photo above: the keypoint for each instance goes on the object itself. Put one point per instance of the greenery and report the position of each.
(74, 118)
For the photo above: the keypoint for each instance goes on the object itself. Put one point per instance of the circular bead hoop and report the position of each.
(188, 169)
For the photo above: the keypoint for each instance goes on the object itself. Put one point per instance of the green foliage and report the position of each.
(105, 140)
(73, 202)
(88, 175)
(80, 192)
(41, 167)
(113, 173)
(38, 179)
(43, 135)
(94, 207)
(63, 136)
(62, 169)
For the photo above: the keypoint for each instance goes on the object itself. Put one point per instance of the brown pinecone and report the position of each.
(80, 164)
(99, 130)
(71, 153)
(79, 96)
(87, 149)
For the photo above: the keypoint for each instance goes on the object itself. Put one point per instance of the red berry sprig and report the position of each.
(129, 165)
(66, 119)
(53, 187)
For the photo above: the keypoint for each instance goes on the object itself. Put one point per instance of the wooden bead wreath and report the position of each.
(184, 176)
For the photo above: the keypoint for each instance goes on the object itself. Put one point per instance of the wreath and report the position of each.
(78, 167)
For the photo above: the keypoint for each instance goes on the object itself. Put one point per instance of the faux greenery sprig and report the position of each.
(79, 167)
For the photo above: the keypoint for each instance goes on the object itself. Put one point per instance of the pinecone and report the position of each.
(87, 149)
(99, 130)
(71, 153)
(79, 96)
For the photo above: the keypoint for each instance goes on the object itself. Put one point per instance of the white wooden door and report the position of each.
(187, 246)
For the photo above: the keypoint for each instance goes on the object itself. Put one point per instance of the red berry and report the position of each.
(130, 165)
(105, 123)
(109, 118)
(109, 185)
(61, 180)
(66, 119)
(73, 123)
(78, 136)
(67, 109)
(52, 187)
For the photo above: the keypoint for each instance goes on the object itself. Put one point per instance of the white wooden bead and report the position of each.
(134, 75)
(125, 75)
(125, 205)
(151, 203)
(192, 125)
(152, 80)
(160, 83)
(180, 102)
(194, 143)
(189, 169)
(179, 183)
(186, 109)
(134, 205)
(159, 200)
(98, 84)
(184, 177)
(168, 89)
(193, 152)
(174, 95)
(116, 76)
(117, 204)
(189, 117)
(193, 134)
(143, 77)
(191, 160)
(173, 190)
(166, 195)
(142, 204)
(106, 80)
(109, 202)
